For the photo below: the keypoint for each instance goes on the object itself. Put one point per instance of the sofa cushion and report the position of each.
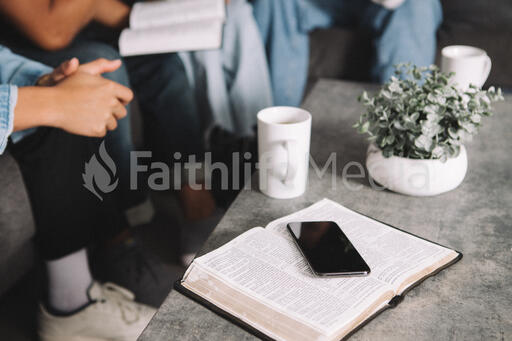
(484, 24)
(16, 265)
(339, 53)
(16, 223)
(477, 15)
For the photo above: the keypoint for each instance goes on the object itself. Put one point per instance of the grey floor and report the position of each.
(147, 264)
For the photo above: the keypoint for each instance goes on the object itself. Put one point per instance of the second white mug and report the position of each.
(283, 149)
(470, 64)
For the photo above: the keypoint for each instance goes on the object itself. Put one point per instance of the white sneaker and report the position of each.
(113, 315)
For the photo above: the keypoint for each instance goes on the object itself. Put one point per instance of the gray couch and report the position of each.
(16, 225)
(335, 53)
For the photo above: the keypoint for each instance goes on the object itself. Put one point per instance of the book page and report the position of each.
(269, 268)
(252, 311)
(393, 256)
(164, 13)
(173, 38)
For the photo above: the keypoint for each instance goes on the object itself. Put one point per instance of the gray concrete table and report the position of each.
(471, 300)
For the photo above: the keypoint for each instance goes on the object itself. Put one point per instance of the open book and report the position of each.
(261, 280)
(173, 25)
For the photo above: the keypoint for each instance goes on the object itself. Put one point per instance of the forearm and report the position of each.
(35, 107)
(112, 13)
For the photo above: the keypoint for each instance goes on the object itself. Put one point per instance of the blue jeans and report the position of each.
(232, 83)
(405, 34)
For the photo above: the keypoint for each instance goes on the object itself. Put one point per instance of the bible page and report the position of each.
(269, 268)
(174, 38)
(393, 256)
(163, 13)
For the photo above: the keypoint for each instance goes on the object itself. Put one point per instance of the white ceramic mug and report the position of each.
(470, 64)
(283, 147)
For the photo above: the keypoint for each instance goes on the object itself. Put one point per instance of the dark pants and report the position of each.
(68, 217)
(118, 142)
(172, 121)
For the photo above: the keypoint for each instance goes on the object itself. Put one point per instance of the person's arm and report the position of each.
(8, 97)
(18, 70)
(14, 71)
(50, 24)
(82, 104)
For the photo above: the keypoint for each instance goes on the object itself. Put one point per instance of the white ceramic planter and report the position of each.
(416, 177)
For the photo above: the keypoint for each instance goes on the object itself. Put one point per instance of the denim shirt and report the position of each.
(15, 71)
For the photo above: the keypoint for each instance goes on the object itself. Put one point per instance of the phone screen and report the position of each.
(327, 249)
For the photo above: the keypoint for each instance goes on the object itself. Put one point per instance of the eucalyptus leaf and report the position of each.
(476, 118)
(418, 114)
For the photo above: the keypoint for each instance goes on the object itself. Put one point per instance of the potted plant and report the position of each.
(418, 123)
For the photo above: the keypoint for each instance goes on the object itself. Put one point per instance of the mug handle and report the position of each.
(292, 164)
(486, 71)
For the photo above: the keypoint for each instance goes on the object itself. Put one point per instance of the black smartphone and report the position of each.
(327, 249)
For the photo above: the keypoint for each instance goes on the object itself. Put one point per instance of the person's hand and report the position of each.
(100, 66)
(88, 104)
(64, 70)
(69, 67)
(75, 98)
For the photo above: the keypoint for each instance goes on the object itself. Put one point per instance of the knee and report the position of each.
(89, 51)
(93, 50)
(172, 70)
(119, 76)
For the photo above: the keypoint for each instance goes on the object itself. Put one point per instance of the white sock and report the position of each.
(68, 280)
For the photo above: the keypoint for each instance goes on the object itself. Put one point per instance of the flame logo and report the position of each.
(97, 177)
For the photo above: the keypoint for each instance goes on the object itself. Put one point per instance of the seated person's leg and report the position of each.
(237, 83)
(236, 77)
(247, 78)
(285, 26)
(67, 216)
(171, 120)
(287, 48)
(405, 34)
(118, 142)
(167, 102)
(65, 213)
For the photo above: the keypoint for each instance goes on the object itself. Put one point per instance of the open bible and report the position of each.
(173, 25)
(261, 281)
